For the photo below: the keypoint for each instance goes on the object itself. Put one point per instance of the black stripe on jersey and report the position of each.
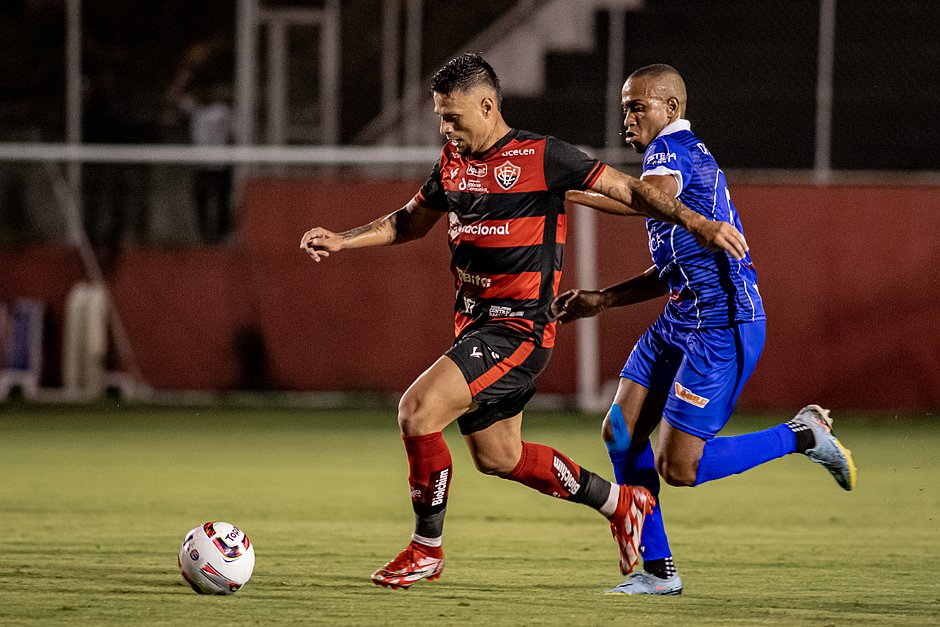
(550, 261)
(512, 260)
(475, 207)
(723, 262)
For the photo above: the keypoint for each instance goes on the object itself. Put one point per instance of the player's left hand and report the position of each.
(718, 235)
(574, 304)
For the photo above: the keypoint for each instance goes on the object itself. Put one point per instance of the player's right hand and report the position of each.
(319, 242)
(574, 304)
(720, 236)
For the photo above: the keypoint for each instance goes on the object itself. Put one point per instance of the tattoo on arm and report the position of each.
(408, 223)
(648, 200)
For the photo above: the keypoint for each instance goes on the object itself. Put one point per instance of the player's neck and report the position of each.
(497, 133)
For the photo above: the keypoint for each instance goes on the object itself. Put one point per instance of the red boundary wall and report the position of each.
(847, 275)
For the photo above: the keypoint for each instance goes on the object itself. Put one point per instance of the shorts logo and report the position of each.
(690, 397)
(507, 174)
(476, 352)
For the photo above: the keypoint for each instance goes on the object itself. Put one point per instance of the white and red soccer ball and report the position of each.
(216, 558)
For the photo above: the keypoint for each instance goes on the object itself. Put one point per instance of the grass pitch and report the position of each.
(94, 503)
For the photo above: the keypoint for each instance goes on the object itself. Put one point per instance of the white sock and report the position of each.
(613, 499)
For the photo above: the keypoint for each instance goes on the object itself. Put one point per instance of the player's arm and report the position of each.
(650, 199)
(410, 222)
(600, 202)
(574, 304)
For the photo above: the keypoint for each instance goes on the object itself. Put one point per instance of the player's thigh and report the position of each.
(500, 369)
(645, 381)
(496, 450)
(436, 398)
(716, 365)
(677, 455)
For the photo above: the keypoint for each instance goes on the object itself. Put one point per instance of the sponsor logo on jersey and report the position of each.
(476, 169)
(453, 226)
(468, 304)
(415, 494)
(473, 279)
(689, 396)
(656, 240)
(484, 229)
(660, 158)
(565, 477)
(440, 488)
(454, 172)
(518, 152)
(507, 174)
(500, 311)
(476, 353)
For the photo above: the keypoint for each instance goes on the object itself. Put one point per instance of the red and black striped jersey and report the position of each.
(507, 226)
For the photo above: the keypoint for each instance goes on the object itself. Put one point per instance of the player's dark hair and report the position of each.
(656, 69)
(464, 73)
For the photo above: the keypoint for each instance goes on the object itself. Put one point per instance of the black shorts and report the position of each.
(500, 367)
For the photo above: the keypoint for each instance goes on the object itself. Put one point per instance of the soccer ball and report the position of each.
(216, 558)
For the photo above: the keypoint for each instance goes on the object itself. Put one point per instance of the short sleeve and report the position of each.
(566, 167)
(662, 159)
(431, 195)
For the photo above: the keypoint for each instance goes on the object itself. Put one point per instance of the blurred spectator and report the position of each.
(196, 93)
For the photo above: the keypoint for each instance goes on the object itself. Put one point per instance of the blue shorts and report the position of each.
(704, 371)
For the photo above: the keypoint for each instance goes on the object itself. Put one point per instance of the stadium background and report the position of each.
(844, 239)
(256, 387)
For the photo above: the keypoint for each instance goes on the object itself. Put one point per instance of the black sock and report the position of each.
(594, 490)
(805, 439)
(663, 568)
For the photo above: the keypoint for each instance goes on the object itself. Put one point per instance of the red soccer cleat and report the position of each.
(627, 524)
(415, 563)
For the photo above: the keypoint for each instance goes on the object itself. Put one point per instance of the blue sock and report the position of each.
(732, 455)
(632, 467)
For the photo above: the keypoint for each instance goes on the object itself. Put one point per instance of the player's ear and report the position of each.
(487, 105)
(672, 105)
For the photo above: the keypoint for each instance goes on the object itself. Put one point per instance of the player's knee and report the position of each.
(497, 464)
(412, 419)
(607, 433)
(676, 473)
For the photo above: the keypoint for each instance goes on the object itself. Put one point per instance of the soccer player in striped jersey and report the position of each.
(503, 191)
(685, 373)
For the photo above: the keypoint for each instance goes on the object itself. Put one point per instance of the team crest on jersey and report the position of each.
(507, 174)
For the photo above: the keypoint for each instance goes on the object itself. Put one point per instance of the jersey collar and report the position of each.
(500, 143)
(675, 127)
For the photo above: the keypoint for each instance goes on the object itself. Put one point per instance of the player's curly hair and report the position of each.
(466, 72)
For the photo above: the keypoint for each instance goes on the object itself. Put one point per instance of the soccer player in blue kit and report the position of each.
(686, 372)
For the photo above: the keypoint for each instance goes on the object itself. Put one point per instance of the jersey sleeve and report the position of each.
(663, 158)
(431, 195)
(566, 167)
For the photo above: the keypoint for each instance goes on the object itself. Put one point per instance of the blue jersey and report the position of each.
(708, 289)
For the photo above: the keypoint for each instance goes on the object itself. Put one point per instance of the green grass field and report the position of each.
(95, 501)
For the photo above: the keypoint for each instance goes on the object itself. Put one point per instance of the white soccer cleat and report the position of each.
(828, 451)
(645, 583)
